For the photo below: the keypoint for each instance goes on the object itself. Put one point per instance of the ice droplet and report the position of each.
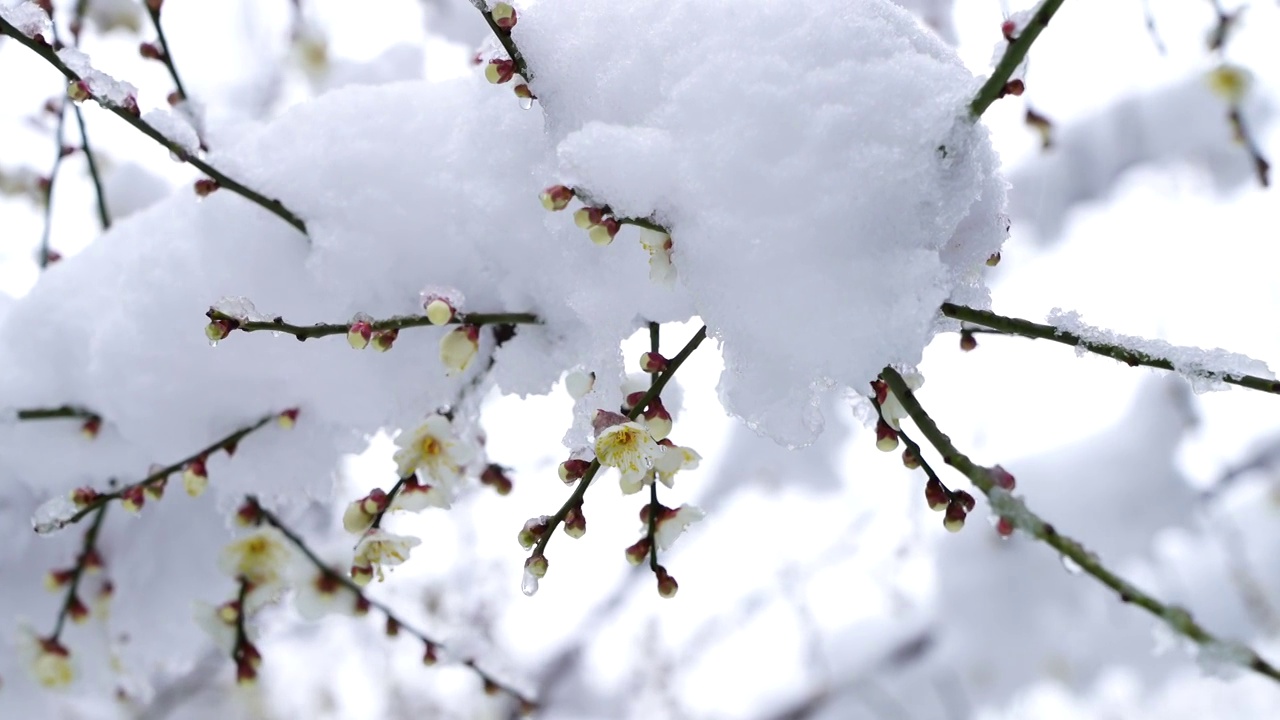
(529, 584)
(53, 514)
(213, 343)
(1071, 566)
(526, 103)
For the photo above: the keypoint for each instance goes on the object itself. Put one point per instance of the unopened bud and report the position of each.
(936, 495)
(132, 498)
(965, 499)
(288, 418)
(536, 566)
(575, 523)
(382, 341)
(504, 16)
(588, 217)
(499, 71)
(667, 585)
(83, 497)
(1004, 526)
(886, 437)
(393, 627)
(604, 232)
(359, 334)
(652, 362)
(1002, 478)
(458, 347)
(218, 329)
(429, 654)
(1007, 29)
(532, 532)
(205, 186)
(155, 488)
(910, 460)
(78, 91)
(77, 610)
(556, 197)
(440, 312)
(195, 478)
(1014, 87)
(967, 341)
(953, 521)
(994, 260)
(495, 476)
(572, 470)
(639, 552)
(150, 51)
(248, 514)
(91, 426)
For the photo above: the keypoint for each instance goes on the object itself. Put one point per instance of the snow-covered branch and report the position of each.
(1015, 515)
(120, 101)
(1201, 367)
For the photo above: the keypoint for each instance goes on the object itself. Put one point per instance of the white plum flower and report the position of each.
(259, 558)
(674, 459)
(376, 549)
(218, 622)
(434, 450)
(672, 523)
(629, 447)
(458, 347)
(659, 245)
(891, 409)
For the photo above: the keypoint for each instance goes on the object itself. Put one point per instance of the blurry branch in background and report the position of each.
(1133, 358)
(47, 255)
(258, 514)
(1011, 510)
(194, 474)
(1232, 83)
(1150, 21)
(131, 116)
(90, 425)
(995, 86)
(165, 55)
(88, 559)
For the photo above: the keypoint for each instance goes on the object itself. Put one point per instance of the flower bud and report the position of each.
(667, 585)
(217, 329)
(504, 16)
(588, 217)
(953, 521)
(393, 627)
(440, 312)
(429, 654)
(994, 260)
(532, 532)
(499, 71)
(638, 553)
(1007, 29)
(458, 347)
(556, 197)
(150, 51)
(155, 488)
(248, 514)
(91, 427)
(132, 498)
(966, 500)
(1004, 526)
(910, 460)
(652, 362)
(936, 495)
(1002, 478)
(79, 91)
(886, 437)
(575, 523)
(55, 580)
(603, 233)
(195, 478)
(536, 566)
(967, 341)
(77, 610)
(206, 186)
(83, 497)
(382, 341)
(572, 470)
(495, 476)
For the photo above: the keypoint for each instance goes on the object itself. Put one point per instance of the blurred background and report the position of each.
(820, 586)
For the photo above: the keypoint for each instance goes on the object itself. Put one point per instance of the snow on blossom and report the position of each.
(672, 524)
(379, 548)
(434, 449)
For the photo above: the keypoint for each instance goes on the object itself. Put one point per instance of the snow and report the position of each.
(28, 17)
(103, 87)
(671, 120)
(1204, 369)
(175, 127)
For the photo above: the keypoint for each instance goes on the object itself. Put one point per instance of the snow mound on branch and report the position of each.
(824, 189)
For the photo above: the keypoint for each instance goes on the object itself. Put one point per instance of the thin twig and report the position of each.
(88, 549)
(993, 88)
(983, 478)
(228, 442)
(306, 332)
(47, 187)
(95, 174)
(166, 56)
(273, 206)
(1133, 358)
(64, 412)
(655, 390)
(272, 519)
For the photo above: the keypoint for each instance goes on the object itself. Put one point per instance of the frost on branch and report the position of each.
(1204, 369)
(28, 17)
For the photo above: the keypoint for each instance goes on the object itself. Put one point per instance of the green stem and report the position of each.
(82, 563)
(993, 88)
(306, 332)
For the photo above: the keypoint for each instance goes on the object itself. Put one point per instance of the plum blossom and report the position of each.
(259, 558)
(891, 407)
(673, 460)
(629, 447)
(434, 450)
(377, 548)
(672, 523)
(50, 660)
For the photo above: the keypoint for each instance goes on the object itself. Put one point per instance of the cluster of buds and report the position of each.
(955, 504)
(360, 334)
(601, 226)
(495, 476)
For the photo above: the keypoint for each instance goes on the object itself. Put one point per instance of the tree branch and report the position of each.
(306, 332)
(1133, 358)
(275, 207)
(983, 478)
(993, 88)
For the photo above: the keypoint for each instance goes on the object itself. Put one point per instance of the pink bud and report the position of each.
(556, 197)
(504, 16)
(206, 186)
(1002, 478)
(499, 71)
(652, 362)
